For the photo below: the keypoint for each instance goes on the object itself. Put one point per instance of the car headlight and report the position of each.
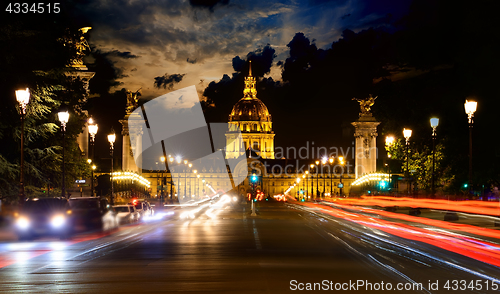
(23, 223)
(57, 221)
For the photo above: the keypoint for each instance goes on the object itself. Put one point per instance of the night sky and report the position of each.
(422, 58)
(163, 47)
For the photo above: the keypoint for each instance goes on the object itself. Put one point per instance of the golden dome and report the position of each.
(252, 109)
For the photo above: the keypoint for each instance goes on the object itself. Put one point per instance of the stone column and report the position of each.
(128, 147)
(366, 145)
(84, 75)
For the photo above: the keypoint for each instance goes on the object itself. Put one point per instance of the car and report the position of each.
(44, 217)
(93, 213)
(126, 214)
(143, 207)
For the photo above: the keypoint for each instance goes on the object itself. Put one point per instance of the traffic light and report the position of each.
(466, 185)
(383, 184)
(254, 178)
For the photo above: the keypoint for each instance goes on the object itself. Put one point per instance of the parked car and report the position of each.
(126, 214)
(44, 217)
(93, 213)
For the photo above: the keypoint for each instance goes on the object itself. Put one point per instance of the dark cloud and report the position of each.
(124, 55)
(107, 74)
(228, 90)
(168, 81)
(190, 60)
(210, 4)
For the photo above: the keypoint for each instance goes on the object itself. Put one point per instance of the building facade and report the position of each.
(257, 171)
(251, 117)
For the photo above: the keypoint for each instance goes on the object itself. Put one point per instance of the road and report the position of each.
(285, 248)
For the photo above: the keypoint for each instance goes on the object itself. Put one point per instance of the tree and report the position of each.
(420, 165)
(37, 59)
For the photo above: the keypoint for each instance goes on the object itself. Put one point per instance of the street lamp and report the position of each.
(331, 160)
(341, 161)
(434, 125)
(63, 118)
(324, 160)
(198, 186)
(307, 184)
(23, 98)
(92, 132)
(407, 135)
(470, 108)
(312, 181)
(317, 178)
(389, 141)
(111, 140)
(162, 159)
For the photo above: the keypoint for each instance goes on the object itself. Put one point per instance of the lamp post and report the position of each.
(198, 186)
(317, 178)
(171, 159)
(312, 181)
(162, 159)
(92, 180)
(23, 98)
(307, 184)
(185, 179)
(111, 140)
(331, 160)
(63, 118)
(434, 125)
(193, 193)
(389, 142)
(92, 132)
(324, 160)
(470, 108)
(407, 135)
(341, 161)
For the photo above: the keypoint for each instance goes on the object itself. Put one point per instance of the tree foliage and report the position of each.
(35, 58)
(420, 165)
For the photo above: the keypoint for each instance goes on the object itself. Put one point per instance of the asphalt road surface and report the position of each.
(285, 248)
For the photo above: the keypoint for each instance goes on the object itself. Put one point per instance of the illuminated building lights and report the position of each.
(131, 176)
(370, 178)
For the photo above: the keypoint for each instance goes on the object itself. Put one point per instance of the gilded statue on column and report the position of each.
(132, 100)
(80, 45)
(366, 104)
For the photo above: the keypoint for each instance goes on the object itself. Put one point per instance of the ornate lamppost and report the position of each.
(407, 135)
(324, 160)
(198, 186)
(63, 118)
(317, 178)
(434, 125)
(92, 132)
(389, 142)
(190, 194)
(111, 140)
(162, 159)
(470, 108)
(171, 159)
(331, 175)
(23, 98)
(307, 184)
(341, 185)
(312, 181)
